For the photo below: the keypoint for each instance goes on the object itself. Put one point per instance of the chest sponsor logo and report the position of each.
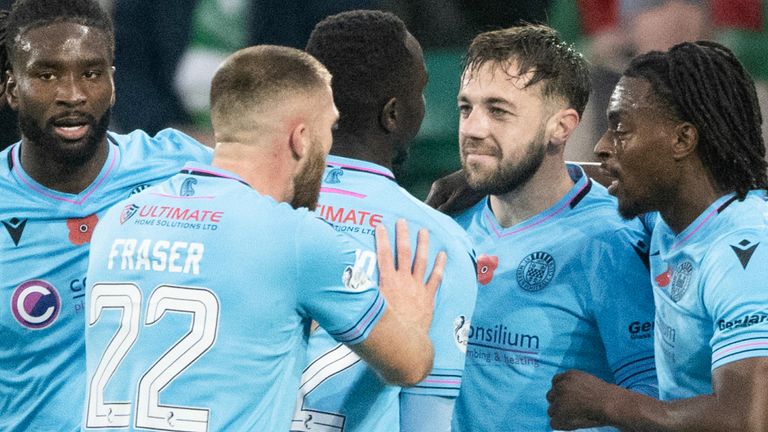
(681, 279)
(334, 176)
(172, 217)
(498, 345)
(486, 265)
(461, 332)
(81, 229)
(15, 227)
(535, 271)
(351, 220)
(35, 304)
(128, 212)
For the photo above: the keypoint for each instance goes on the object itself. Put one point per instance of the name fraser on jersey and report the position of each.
(156, 255)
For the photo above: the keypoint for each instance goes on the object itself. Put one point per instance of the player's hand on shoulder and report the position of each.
(401, 283)
(452, 194)
(576, 400)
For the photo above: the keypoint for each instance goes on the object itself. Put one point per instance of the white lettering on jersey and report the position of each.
(156, 255)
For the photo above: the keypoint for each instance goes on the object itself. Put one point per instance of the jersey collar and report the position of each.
(202, 170)
(359, 165)
(21, 176)
(582, 186)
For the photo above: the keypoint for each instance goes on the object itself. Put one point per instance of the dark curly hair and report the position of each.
(3, 54)
(538, 49)
(29, 14)
(365, 52)
(704, 84)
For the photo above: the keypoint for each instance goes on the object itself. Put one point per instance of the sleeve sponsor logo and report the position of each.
(747, 320)
(640, 330)
(81, 229)
(35, 304)
(486, 265)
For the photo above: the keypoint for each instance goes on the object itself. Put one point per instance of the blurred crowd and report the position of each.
(167, 51)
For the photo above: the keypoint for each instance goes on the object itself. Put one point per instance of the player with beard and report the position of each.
(685, 143)
(216, 278)
(563, 279)
(378, 79)
(56, 184)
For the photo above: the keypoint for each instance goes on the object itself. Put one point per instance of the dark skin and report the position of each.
(396, 123)
(739, 401)
(61, 76)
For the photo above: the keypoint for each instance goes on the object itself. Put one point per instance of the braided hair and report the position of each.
(4, 66)
(704, 84)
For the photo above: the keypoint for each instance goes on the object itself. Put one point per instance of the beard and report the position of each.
(509, 177)
(306, 184)
(64, 152)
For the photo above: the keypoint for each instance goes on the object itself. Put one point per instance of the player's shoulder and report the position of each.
(440, 226)
(169, 143)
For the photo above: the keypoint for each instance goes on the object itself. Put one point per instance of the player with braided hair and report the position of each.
(684, 141)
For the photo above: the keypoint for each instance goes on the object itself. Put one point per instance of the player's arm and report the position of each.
(739, 402)
(398, 346)
(425, 413)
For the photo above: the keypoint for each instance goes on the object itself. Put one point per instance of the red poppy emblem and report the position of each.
(81, 229)
(486, 265)
(665, 278)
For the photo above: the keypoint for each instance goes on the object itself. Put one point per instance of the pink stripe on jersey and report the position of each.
(721, 354)
(358, 331)
(701, 224)
(359, 168)
(342, 192)
(43, 192)
(492, 222)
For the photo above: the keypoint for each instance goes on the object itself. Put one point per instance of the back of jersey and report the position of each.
(196, 315)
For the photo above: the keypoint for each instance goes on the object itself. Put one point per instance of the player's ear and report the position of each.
(11, 91)
(389, 115)
(686, 140)
(112, 81)
(299, 140)
(561, 125)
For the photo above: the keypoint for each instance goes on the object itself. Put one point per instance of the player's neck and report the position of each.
(266, 172)
(369, 149)
(547, 186)
(691, 196)
(55, 173)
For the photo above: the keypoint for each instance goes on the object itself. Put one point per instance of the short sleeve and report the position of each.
(624, 309)
(334, 288)
(735, 295)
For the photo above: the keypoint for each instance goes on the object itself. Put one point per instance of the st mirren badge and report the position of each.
(535, 271)
(681, 278)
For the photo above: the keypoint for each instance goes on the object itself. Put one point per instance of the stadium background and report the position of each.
(167, 51)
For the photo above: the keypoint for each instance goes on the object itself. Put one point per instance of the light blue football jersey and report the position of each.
(338, 391)
(709, 282)
(200, 296)
(44, 242)
(565, 289)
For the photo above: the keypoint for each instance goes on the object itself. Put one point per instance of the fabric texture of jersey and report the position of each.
(339, 392)
(565, 289)
(200, 295)
(710, 287)
(44, 244)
